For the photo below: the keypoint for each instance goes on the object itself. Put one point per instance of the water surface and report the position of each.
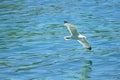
(32, 45)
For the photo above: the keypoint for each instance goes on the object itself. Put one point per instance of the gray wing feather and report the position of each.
(72, 29)
(84, 42)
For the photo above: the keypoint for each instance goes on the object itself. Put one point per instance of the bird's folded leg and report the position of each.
(67, 37)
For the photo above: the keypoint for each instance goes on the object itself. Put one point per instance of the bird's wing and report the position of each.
(72, 29)
(84, 42)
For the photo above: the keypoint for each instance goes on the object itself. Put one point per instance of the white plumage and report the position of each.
(76, 35)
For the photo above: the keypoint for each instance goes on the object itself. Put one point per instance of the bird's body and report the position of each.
(76, 35)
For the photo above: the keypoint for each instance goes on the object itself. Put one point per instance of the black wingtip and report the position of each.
(90, 48)
(65, 22)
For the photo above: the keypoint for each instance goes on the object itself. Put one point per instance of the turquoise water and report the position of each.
(32, 45)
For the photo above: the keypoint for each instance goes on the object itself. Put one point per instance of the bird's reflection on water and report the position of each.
(86, 69)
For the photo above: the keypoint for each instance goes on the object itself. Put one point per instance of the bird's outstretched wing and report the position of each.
(76, 35)
(71, 28)
(85, 43)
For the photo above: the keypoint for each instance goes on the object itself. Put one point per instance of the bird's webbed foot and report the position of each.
(67, 37)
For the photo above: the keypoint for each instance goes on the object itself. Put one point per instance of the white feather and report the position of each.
(77, 36)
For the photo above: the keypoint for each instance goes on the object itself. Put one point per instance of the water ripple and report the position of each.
(32, 45)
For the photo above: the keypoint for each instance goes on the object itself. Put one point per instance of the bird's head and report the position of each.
(65, 22)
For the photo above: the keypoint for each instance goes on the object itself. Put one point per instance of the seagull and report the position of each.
(75, 35)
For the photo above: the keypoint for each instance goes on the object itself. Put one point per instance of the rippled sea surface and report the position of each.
(32, 45)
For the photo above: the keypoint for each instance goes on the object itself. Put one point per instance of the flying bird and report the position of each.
(75, 35)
